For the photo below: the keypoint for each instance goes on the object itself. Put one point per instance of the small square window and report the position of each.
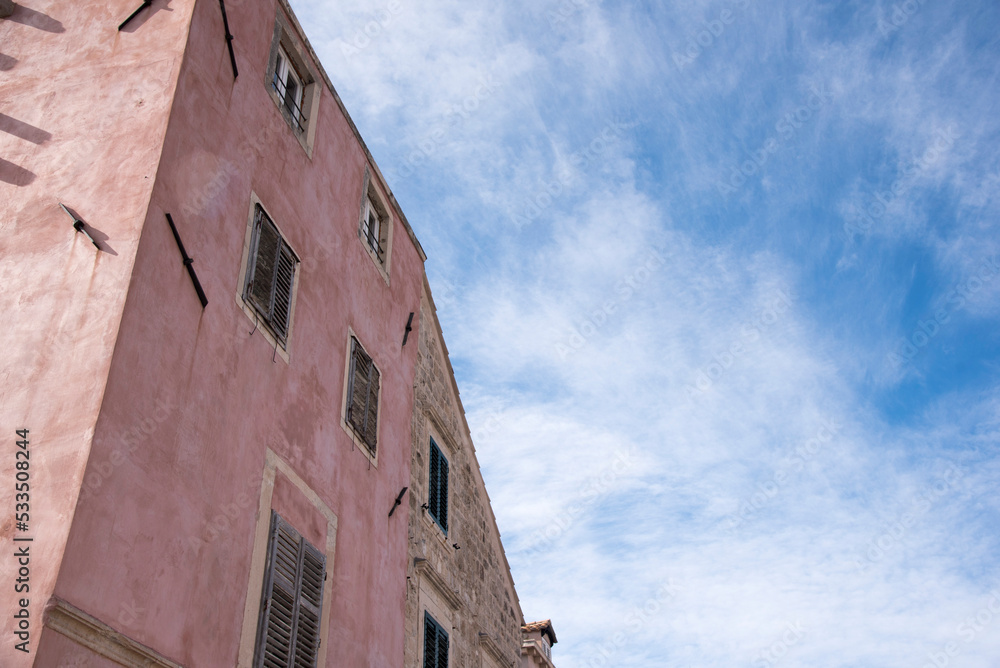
(270, 277)
(288, 631)
(437, 488)
(435, 643)
(363, 396)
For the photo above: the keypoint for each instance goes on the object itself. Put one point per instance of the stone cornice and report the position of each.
(490, 645)
(424, 569)
(97, 636)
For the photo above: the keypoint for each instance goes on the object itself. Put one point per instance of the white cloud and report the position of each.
(648, 365)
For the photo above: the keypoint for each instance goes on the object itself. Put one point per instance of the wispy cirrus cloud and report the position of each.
(578, 335)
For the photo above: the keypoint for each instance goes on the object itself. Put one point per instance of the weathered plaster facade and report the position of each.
(163, 433)
(469, 589)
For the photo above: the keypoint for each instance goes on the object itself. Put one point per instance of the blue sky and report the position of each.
(720, 284)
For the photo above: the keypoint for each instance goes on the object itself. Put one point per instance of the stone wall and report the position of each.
(469, 589)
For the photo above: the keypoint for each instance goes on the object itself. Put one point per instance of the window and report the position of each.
(291, 80)
(362, 396)
(375, 226)
(371, 229)
(435, 644)
(270, 276)
(437, 494)
(292, 600)
(288, 85)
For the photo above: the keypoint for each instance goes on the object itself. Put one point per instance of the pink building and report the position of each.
(208, 485)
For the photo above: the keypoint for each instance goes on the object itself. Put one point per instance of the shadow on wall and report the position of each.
(14, 174)
(9, 172)
(142, 13)
(34, 19)
(96, 236)
(12, 126)
(6, 62)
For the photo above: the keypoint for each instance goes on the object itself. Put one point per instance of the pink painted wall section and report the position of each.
(193, 400)
(83, 113)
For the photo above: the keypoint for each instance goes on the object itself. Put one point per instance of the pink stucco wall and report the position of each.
(162, 536)
(83, 112)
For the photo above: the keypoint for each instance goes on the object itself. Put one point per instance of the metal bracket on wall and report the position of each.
(79, 225)
(188, 263)
(409, 328)
(229, 38)
(145, 3)
(399, 500)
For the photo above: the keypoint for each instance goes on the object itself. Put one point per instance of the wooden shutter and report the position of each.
(442, 649)
(371, 407)
(282, 300)
(292, 601)
(265, 259)
(435, 644)
(363, 387)
(270, 282)
(310, 606)
(437, 500)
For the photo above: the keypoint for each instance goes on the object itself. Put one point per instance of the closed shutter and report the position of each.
(442, 649)
(362, 396)
(272, 275)
(437, 501)
(310, 606)
(267, 243)
(282, 302)
(435, 644)
(291, 610)
(371, 410)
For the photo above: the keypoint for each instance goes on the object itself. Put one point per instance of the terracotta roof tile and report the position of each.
(544, 626)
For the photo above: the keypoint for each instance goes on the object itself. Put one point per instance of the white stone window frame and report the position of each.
(258, 561)
(438, 599)
(282, 350)
(372, 200)
(289, 48)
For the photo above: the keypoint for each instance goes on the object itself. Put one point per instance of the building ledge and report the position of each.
(424, 569)
(100, 638)
(490, 645)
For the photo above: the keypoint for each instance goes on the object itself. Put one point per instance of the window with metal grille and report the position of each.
(362, 396)
(292, 600)
(288, 85)
(437, 494)
(270, 275)
(372, 229)
(435, 644)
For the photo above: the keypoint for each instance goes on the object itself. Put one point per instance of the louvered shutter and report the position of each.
(265, 260)
(430, 642)
(435, 644)
(432, 483)
(443, 492)
(363, 386)
(442, 649)
(310, 606)
(371, 407)
(270, 281)
(437, 497)
(288, 635)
